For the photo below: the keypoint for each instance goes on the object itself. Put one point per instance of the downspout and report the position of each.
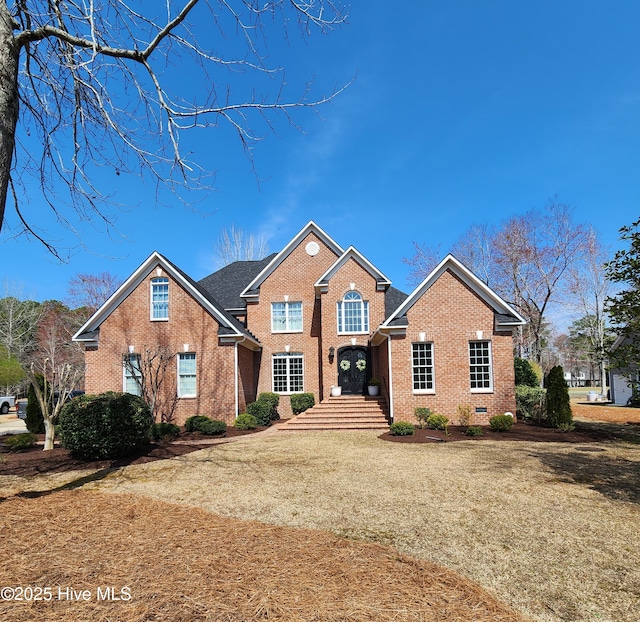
(390, 378)
(237, 371)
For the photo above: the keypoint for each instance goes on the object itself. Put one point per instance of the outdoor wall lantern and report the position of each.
(332, 353)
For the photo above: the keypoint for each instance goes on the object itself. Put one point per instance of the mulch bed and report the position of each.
(519, 432)
(35, 461)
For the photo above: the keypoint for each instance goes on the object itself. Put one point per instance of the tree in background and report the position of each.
(12, 376)
(525, 374)
(234, 244)
(624, 307)
(58, 360)
(102, 84)
(91, 291)
(588, 288)
(527, 261)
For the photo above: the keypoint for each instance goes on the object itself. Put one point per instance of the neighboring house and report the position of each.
(623, 382)
(308, 318)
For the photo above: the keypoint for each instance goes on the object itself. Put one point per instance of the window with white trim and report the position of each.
(160, 298)
(353, 314)
(481, 376)
(422, 366)
(132, 374)
(186, 374)
(288, 372)
(286, 317)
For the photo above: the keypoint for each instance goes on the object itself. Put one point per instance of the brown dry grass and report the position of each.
(550, 529)
(591, 411)
(182, 563)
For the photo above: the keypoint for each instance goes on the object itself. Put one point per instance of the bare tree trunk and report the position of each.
(9, 104)
(49, 433)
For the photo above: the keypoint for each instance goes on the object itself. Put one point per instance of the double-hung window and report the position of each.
(286, 317)
(422, 367)
(288, 372)
(160, 298)
(353, 314)
(481, 375)
(132, 374)
(187, 374)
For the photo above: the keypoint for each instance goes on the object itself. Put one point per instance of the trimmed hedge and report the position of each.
(301, 402)
(106, 426)
(273, 399)
(501, 423)
(213, 427)
(402, 428)
(195, 423)
(245, 421)
(261, 410)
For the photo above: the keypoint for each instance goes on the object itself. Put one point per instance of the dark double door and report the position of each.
(353, 370)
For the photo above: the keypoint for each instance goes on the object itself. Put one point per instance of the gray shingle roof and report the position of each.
(227, 284)
(393, 298)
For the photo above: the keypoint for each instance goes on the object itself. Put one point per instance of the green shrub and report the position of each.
(261, 411)
(566, 427)
(530, 402)
(245, 421)
(402, 428)
(213, 427)
(473, 430)
(501, 423)
(194, 424)
(20, 442)
(164, 431)
(273, 399)
(34, 420)
(106, 426)
(437, 422)
(301, 402)
(422, 414)
(525, 374)
(558, 404)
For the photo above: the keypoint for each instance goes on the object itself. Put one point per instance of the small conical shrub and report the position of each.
(34, 420)
(558, 404)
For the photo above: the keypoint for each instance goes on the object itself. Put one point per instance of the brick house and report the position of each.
(312, 317)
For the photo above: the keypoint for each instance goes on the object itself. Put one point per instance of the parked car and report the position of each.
(6, 403)
(22, 409)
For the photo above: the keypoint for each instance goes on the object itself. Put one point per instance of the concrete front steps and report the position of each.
(347, 412)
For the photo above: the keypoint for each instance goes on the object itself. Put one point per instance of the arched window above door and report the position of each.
(353, 314)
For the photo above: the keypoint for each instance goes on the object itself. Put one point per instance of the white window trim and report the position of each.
(287, 356)
(186, 395)
(151, 283)
(124, 376)
(489, 389)
(340, 315)
(433, 370)
(286, 306)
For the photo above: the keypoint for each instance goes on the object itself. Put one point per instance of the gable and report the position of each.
(351, 254)
(504, 314)
(228, 325)
(307, 245)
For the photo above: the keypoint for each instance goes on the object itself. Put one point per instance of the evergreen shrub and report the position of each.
(501, 423)
(106, 426)
(437, 422)
(195, 423)
(35, 420)
(558, 404)
(20, 442)
(262, 411)
(213, 427)
(164, 431)
(301, 402)
(402, 428)
(245, 421)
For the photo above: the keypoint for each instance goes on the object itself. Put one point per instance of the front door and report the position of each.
(352, 370)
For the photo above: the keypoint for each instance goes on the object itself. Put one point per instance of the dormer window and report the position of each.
(353, 314)
(160, 298)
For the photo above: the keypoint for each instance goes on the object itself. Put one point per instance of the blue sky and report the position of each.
(459, 113)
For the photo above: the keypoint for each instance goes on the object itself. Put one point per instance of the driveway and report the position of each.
(10, 424)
